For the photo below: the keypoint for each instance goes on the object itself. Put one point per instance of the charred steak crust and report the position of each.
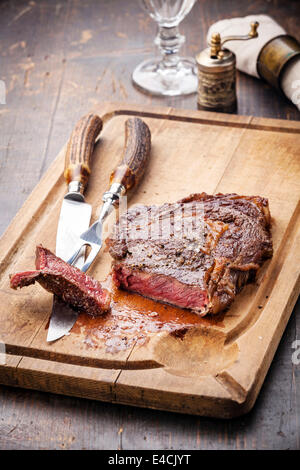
(69, 283)
(205, 275)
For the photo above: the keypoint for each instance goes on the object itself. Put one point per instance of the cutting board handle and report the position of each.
(135, 155)
(79, 150)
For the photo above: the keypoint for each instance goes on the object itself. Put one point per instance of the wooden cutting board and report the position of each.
(218, 366)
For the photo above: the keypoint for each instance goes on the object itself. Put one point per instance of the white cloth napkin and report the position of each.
(247, 52)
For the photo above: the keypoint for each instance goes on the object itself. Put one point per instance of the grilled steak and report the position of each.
(196, 253)
(67, 282)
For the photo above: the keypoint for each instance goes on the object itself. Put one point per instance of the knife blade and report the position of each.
(75, 213)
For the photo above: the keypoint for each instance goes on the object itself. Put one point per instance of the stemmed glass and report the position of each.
(170, 74)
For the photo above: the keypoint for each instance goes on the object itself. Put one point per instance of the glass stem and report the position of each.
(169, 41)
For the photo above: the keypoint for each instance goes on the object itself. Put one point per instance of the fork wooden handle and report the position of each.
(135, 156)
(80, 148)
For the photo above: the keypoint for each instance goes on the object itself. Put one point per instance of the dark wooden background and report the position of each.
(58, 58)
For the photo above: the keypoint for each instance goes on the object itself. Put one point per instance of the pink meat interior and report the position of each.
(160, 287)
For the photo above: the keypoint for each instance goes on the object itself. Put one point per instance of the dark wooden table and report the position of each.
(58, 58)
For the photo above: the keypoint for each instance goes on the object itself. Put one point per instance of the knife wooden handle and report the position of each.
(135, 156)
(80, 148)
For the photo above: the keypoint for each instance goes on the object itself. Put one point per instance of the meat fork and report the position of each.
(124, 178)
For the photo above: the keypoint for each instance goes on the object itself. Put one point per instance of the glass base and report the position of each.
(151, 76)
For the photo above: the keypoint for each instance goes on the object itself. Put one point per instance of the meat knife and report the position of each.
(75, 213)
(123, 179)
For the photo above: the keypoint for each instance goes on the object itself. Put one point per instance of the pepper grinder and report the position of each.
(217, 73)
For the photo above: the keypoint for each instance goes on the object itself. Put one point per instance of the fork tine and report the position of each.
(94, 251)
(89, 238)
(76, 254)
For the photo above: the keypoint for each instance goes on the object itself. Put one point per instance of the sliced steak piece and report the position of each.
(196, 253)
(67, 282)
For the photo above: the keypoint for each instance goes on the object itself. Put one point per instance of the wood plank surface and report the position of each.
(54, 72)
